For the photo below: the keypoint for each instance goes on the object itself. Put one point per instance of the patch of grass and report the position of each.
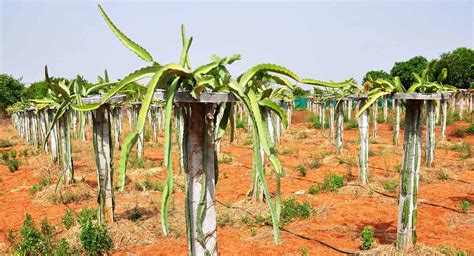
(292, 209)
(367, 238)
(246, 220)
(470, 129)
(443, 176)
(248, 141)
(224, 220)
(315, 164)
(5, 143)
(459, 132)
(68, 219)
(315, 189)
(302, 135)
(304, 252)
(397, 168)
(352, 124)
(13, 165)
(333, 182)
(226, 159)
(149, 185)
(286, 151)
(40, 185)
(465, 206)
(390, 185)
(239, 124)
(302, 170)
(451, 251)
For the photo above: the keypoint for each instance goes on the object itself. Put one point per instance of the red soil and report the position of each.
(340, 217)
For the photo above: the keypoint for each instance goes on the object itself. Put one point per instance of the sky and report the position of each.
(325, 40)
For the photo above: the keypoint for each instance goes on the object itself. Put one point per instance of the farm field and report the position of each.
(335, 222)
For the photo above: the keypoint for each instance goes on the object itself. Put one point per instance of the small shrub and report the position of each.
(34, 241)
(239, 124)
(224, 220)
(367, 238)
(333, 182)
(86, 214)
(147, 184)
(315, 189)
(13, 153)
(68, 219)
(226, 159)
(301, 170)
(248, 141)
(292, 209)
(443, 176)
(352, 125)
(459, 132)
(302, 135)
(315, 164)
(24, 152)
(254, 232)
(397, 168)
(13, 165)
(304, 252)
(470, 129)
(5, 157)
(245, 219)
(465, 206)
(5, 143)
(135, 214)
(94, 237)
(40, 185)
(390, 185)
(62, 248)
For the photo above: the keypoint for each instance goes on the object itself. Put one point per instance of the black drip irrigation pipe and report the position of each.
(291, 232)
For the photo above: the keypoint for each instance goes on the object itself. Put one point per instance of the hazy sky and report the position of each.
(328, 40)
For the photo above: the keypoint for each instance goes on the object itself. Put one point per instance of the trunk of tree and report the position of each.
(375, 114)
(430, 133)
(363, 123)
(43, 115)
(65, 154)
(331, 119)
(339, 126)
(409, 176)
(117, 117)
(102, 139)
(180, 137)
(34, 128)
(349, 109)
(53, 137)
(396, 126)
(201, 180)
(444, 117)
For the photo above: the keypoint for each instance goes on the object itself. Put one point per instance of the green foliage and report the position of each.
(315, 189)
(352, 124)
(34, 241)
(470, 129)
(13, 165)
(94, 237)
(390, 185)
(292, 209)
(239, 123)
(301, 170)
(459, 132)
(404, 69)
(376, 74)
(367, 238)
(465, 206)
(11, 90)
(315, 164)
(443, 176)
(226, 159)
(5, 143)
(459, 66)
(41, 185)
(68, 219)
(147, 184)
(224, 220)
(304, 252)
(5, 156)
(333, 182)
(37, 90)
(300, 92)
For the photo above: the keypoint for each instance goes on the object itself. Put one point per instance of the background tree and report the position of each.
(11, 90)
(37, 90)
(459, 64)
(404, 69)
(377, 74)
(300, 92)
